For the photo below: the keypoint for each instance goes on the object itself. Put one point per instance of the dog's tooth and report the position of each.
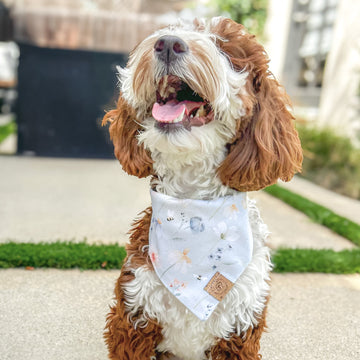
(180, 117)
(163, 85)
(171, 90)
(165, 82)
(201, 111)
(162, 90)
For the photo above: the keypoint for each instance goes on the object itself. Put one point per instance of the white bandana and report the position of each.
(199, 248)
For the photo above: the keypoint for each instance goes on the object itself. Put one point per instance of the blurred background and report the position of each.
(58, 58)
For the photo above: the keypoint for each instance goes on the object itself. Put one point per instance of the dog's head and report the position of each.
(200, 91)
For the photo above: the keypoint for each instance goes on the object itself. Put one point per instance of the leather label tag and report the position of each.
(218, 286)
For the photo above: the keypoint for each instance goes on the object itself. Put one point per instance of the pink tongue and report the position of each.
(173, 109)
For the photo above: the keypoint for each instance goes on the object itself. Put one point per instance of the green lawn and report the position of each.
(61, 255)
(320, 261)
(67, 255)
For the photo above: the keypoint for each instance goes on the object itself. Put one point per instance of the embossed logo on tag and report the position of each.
(218, 286)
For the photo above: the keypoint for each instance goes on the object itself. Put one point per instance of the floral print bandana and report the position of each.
(199, 248)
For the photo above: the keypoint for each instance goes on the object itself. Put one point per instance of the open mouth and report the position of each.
(178, 106)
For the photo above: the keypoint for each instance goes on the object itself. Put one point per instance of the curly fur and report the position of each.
(266, 146)
(123, 130)
(249, 144)
(141, 341)
(240, 348)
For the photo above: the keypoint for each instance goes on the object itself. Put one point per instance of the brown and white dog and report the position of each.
(202, 115)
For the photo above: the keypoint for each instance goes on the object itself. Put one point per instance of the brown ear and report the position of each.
(266, 146)
(123, 129)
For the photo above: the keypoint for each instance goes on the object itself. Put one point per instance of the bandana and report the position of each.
(199, 248)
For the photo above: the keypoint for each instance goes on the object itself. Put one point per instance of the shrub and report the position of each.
(6, 130)
(330, 160)
(251, 13)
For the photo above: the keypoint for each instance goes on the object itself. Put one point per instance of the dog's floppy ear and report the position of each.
(266, 146)
(123, 129)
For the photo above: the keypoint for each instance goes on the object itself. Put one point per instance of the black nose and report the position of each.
(170, 48)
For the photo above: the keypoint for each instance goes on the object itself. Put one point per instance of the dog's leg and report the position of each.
(124, 341)
(239, 347)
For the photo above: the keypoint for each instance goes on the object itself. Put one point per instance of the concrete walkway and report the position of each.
(60, 315)
(46, 199)
(341, 205)
(52, 314)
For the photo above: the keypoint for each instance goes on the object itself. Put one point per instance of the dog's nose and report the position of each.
(170, 48)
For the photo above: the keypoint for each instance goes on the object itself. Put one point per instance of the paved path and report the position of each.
(48, 199)
(342, 205)
(60, 315)
(45, 199)
(291, 228)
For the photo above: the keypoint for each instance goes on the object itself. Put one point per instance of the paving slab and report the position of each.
(313, 317)
(54, 314)
(292, 229)
(60, 315)
(48, 199)
(340, 204)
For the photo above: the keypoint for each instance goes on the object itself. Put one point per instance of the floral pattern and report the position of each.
(191, 240)
(226, 233)
(179, 261)
(177, 286)
(196, 224)
(154, 256)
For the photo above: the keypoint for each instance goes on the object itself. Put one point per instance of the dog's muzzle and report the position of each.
(177, 106)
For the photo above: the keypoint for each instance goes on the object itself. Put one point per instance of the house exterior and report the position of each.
(315, 50)
(340, 97)
(313, 44)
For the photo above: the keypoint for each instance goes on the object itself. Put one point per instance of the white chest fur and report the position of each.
(184, 334)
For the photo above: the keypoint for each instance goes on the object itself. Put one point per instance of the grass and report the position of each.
(320, 261)
(67, 255)
(6, 130)
(318, 213)
(61, 255)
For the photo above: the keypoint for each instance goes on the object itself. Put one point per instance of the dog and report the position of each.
(202, 115)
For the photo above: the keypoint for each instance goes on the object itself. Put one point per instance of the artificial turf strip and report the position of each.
(319, 261)
(67, 255)
(318, 213)
(61, 255)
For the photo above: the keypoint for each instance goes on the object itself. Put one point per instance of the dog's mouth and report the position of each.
(178, 106)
